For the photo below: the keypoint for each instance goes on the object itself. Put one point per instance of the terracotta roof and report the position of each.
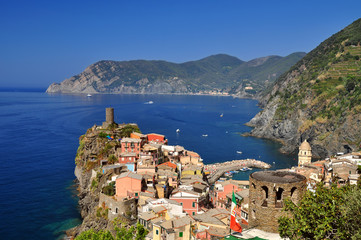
(169, 164)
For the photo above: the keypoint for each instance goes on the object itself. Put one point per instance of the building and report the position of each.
(130, 145)
(305, 153)
(129, 160)
(179, 228)
(190, 200)
(267, 191)
(157, 138)
(140, 136)
(212, 224)
(129, 184)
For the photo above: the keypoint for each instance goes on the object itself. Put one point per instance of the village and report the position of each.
(172, 193)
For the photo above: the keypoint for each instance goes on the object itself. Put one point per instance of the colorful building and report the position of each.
(190, 200)
(128, 184)
(130, 145)
(158, 138)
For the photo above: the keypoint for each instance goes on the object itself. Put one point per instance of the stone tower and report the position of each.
(305, 153)
(109, 117)
(267, 192)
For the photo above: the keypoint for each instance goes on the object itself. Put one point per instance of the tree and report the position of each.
(121, 233)
(351, 210)
(317, 216)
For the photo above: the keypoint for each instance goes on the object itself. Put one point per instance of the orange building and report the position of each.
(128, 184)
(154, 137)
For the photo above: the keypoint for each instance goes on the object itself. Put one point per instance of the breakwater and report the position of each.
(218, 169)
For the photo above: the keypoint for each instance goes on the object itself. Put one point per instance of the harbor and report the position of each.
(216, 170)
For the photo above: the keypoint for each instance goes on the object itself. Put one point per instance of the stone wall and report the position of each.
(267, 194)
(126, 207)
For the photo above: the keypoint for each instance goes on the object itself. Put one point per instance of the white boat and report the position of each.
(177, 131)
(89, 95)
(239, 152)
(205, 135)
(150, 102)
(221, 115)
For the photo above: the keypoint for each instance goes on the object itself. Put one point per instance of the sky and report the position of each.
(42, 42)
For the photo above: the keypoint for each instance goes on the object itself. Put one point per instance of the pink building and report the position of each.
(130, 145)
(128, 184)
(190, 200)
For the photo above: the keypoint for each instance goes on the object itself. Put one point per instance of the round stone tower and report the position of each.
(109, 117)
(267, 191)
(305, 153)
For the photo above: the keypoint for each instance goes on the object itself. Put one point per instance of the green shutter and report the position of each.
(180, 234)
(193, 204)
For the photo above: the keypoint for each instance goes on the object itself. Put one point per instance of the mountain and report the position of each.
(221, 73)
(318, 99)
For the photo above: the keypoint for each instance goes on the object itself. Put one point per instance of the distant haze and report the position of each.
(48, 41)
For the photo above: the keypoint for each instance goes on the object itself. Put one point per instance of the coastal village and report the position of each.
(173, 194)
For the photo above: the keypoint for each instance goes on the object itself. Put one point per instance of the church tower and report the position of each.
(305, 153)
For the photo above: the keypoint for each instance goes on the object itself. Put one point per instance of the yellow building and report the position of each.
(305, 153)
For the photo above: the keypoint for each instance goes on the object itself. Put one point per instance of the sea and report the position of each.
(39, 137)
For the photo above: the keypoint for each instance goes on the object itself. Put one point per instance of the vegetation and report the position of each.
(128, 129)
(112, 159)
(325, 85)
(211, 73)
(333, 213)
(121, 233)
(103, 135)
(110, 189)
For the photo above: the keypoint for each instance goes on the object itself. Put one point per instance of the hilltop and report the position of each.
(217, 73)
(318, 99)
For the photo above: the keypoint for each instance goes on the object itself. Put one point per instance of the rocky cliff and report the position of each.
(318, 99)
(214, 73)
(94, 147)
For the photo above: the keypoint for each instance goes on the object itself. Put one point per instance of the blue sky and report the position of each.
(42, 42)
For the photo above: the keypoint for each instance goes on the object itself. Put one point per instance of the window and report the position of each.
(193, 213)
(180, 234)
(181, 204)
(136, 194)
(193, 204)
(156, 232)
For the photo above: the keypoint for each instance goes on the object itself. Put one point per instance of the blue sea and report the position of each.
(39, 138)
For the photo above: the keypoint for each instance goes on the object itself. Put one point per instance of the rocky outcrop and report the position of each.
(318, 99)
(93, 147)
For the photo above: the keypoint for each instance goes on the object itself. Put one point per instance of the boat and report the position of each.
(205, 135)
(245, 169)
(221, 115)
(89, 95)
(149, 102)
(177, 131)
(239, 152)
(228, 174)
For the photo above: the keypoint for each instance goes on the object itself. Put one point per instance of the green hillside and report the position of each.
(321, 95)
(219, 72)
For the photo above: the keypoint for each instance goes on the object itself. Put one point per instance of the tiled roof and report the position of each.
(169, 164)
(130, 175)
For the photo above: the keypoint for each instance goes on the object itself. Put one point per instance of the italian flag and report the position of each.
(235, 226)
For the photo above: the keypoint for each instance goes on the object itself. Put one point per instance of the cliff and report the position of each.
(94, 147)
(318, 99)
(214, 73)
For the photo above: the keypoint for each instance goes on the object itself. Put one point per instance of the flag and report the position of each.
(235, 226)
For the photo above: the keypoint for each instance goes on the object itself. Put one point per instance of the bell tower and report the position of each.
(305, 153)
